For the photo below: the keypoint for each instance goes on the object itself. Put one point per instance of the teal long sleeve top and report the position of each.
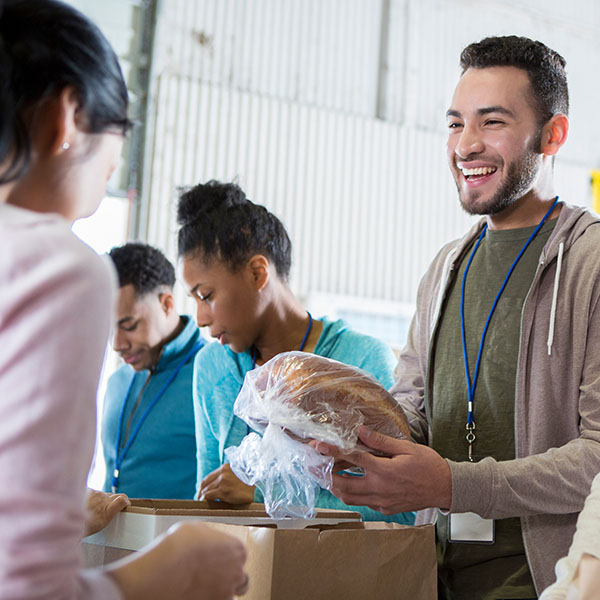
(218, 377)
(161, 461)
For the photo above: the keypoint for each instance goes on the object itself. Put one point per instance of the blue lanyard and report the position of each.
(302, 344)
(470, 426)
(119, 459)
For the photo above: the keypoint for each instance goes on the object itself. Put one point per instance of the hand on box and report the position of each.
(411, 478)
(191, 561)
(223, 485)
(101, 508)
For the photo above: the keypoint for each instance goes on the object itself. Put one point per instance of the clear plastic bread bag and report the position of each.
(291, 399)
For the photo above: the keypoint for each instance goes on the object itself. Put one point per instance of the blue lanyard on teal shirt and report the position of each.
(470, 426)
(120, 458)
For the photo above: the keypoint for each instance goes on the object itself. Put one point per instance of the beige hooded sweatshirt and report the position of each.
(557, 395)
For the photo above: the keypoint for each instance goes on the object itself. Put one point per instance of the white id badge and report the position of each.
(470, 528)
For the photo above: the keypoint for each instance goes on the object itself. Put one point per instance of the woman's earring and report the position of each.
(65, 145)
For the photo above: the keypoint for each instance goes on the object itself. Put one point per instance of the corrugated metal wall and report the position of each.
(331, 113)
(341, 183)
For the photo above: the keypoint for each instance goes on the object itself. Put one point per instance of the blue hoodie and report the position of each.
(218, 377)
(161, 460)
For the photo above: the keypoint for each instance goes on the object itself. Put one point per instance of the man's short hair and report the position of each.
(143, 266)
(544, 66)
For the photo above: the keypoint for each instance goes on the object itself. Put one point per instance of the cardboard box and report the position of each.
(332, 556)
(146, 519)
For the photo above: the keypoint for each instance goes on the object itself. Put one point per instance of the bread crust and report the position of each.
(332, 395)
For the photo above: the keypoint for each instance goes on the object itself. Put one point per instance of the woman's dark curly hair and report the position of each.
(218, 222)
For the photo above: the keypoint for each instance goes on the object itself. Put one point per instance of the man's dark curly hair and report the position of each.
(218, 221)
(143, 266)
(544, 66)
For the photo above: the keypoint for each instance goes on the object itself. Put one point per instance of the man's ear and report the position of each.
(554, 134)
(259, 269)
(167, 302)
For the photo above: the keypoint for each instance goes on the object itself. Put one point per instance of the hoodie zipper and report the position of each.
(135, 407)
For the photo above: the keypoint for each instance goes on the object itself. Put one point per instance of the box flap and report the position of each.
(201, 508)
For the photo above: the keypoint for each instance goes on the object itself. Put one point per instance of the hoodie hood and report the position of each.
(572, 223)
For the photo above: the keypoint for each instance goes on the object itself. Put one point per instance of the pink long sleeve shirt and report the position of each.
(56, 298)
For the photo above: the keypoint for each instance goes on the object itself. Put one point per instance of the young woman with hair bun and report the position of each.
(235, 259)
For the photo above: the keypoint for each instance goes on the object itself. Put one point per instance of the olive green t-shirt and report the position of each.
(498, 570)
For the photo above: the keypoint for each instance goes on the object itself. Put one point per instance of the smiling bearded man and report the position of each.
(500, 377)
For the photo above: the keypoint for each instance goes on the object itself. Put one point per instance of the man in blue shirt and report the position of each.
(148, 433)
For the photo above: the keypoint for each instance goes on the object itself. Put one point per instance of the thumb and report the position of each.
(117, 505)
(383, 443)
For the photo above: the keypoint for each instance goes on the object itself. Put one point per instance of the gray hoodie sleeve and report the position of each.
(410, 374)
(409, 387)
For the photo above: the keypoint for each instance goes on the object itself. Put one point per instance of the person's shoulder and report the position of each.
(353, 341)
(449, 248)
(38, 237)
(359, 350)
(121, 377)
(217, 365)
(578, 229)
(212, 361)
(211, 351)
(49, 254)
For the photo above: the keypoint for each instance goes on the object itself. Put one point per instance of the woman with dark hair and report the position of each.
(235, 258)
(63, 115)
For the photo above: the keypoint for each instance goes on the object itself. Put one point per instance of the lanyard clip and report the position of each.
(115, 481)
(470, 437)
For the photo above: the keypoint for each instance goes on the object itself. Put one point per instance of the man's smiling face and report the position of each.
(493, 139)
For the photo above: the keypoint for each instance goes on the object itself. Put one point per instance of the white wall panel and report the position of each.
(284, 95)
(423, 58)
(292, 49)
(349, 189)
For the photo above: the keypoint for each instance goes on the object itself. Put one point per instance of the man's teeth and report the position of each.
(478, 171)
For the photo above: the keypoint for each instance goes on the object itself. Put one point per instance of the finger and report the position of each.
(384, 443)
(352, 496)
(349, 484)
(331, 450)
(359, 458)
(210, 478)
(117, 504)
(212, 494)
(206, 488)
(242, 588)
(228, 476)
(224, 483)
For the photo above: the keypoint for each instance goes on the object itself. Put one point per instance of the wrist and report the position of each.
(445, 488)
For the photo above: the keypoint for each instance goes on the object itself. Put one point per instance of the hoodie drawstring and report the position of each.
(554, 298)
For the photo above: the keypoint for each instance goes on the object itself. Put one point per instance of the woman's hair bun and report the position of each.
(210, 197)
(218, 221)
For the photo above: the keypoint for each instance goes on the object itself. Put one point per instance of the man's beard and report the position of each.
(521, 173)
